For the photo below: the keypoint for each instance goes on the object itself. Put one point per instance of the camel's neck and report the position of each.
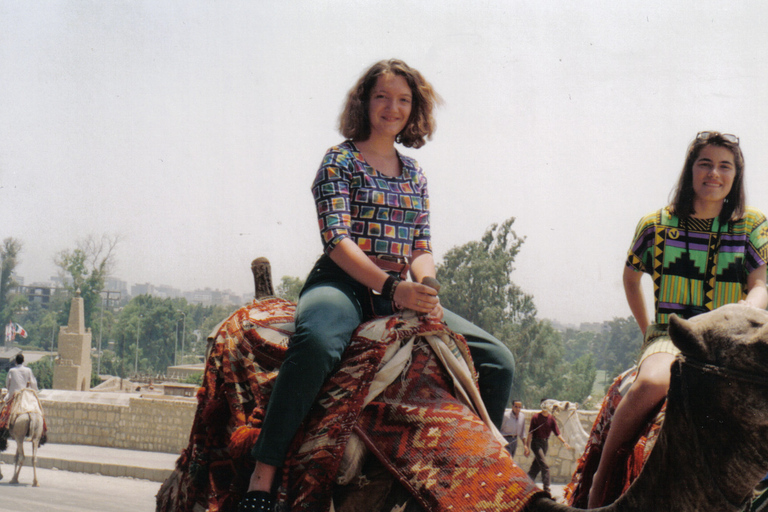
(690, 470)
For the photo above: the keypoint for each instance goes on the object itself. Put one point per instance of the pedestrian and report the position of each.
(513, 427)
(542, 425)
(373, 214)
(704, 250)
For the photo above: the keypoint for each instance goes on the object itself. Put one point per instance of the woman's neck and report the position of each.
(377, 147)
(707, 209)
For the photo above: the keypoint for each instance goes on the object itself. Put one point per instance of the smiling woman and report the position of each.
(705, 250)
(373, 213)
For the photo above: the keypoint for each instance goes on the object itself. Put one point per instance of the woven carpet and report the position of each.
(631, 461)
(429, 440)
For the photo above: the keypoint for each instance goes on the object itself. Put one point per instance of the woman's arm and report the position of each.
(356, 263)
(635, 297)
(423, 265)
(757, 295)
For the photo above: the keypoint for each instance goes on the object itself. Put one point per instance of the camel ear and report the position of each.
(685, 337)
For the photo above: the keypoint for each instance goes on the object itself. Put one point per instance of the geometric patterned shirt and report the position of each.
(384, 215)
(697, 265)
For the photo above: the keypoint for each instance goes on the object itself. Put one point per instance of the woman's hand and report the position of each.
(418, 297)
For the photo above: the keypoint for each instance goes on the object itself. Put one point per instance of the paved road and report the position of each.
(67, 491)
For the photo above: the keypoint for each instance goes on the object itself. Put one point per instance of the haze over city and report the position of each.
(193, 130)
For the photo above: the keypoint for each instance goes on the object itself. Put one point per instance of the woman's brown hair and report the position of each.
(354, 122)
(683, 194)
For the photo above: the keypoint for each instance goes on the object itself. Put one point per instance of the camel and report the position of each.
(709, 456)
(26, 422)
(711, 450)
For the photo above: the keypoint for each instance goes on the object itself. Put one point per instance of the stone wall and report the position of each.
(562, 462)
(119, 420)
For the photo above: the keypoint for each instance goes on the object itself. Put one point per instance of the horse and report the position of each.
(26, 421)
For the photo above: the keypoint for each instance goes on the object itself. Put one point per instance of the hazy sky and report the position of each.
(193, 129)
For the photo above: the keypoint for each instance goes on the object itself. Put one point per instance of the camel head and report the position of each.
(733, 336)
(724, 368)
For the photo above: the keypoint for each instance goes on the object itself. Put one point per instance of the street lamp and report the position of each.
(101, 326)
(136, 363)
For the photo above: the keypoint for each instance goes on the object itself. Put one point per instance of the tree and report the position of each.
(477, 284)
(476, 280)
(9, 258)
(86, 269)
(290, 288)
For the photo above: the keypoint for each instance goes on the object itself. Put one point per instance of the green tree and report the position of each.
(289, 288)
(477, 284)
(476, 280)
(86, 268)
(619, 345)
(43, 370)
(9, 258)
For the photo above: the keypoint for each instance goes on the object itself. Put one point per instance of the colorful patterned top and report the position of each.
(382, 214)
(697, 263)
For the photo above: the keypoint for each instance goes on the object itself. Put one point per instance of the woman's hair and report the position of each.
(354, 122)
(683, 195)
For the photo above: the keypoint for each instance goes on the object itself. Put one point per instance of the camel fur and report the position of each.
(711, 451)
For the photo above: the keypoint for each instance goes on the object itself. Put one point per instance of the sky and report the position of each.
(192, 130)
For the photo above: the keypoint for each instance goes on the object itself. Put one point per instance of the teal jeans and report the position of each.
(331, 306)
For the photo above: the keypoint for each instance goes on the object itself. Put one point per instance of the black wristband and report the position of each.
(388, 290)
(394, 287)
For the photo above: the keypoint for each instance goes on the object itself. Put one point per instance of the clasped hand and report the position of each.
(419, 298)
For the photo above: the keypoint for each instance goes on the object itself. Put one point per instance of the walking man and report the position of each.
(513, 427)
(543, 424)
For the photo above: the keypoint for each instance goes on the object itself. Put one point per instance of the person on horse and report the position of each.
(706, 249)
(373, 211)
(18, 378)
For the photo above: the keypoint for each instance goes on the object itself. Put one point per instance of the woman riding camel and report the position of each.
(706, 249)
(373, 212)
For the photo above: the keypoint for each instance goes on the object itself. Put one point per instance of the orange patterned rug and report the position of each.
(432, 443)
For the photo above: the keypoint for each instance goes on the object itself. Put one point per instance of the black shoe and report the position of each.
(257, 501)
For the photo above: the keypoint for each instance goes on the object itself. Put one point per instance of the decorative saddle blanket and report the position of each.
(422, 423)
(631, 462)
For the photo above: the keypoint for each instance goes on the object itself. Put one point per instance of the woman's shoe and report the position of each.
(257, 501)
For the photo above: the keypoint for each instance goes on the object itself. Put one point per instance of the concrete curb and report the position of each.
(98, 468)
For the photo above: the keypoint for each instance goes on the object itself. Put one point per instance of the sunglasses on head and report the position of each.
(728, 137)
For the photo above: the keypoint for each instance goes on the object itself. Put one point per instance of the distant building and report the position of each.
(208, 297)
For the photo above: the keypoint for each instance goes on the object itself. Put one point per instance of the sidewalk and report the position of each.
(95, 460)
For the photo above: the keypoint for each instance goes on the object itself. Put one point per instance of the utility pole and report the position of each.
(136, 363)
(183, 333)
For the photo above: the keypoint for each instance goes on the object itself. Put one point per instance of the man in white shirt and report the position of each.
(513, 427)
(19, 377)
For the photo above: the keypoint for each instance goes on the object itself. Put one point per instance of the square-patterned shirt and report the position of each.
(384, 215)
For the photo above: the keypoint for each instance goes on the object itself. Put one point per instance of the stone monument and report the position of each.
(72, 370)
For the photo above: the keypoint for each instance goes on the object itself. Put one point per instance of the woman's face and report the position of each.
(390, 105)
(713, 174)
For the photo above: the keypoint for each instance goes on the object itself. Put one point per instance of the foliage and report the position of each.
(477, 284)
(290, 288)
(614, 347)
(476, 280)
(196, 379)
(9, 258)
(43, 370)
(86, 268)
(169, 331)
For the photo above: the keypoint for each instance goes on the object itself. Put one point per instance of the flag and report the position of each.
(9, 332)
(20, 330)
